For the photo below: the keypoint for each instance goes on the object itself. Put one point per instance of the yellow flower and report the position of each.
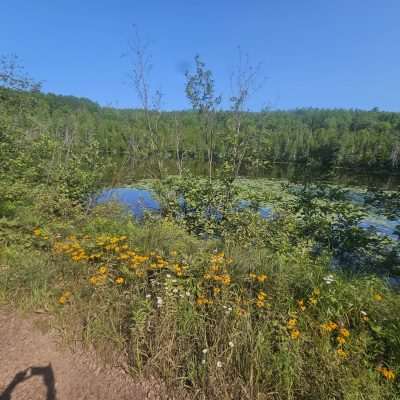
(301, 305)
(37, 232)
(387, 373)
(292, 323)
(313, 301)
(260, 303)
(64, 298)
(329, 326)
(225, 279)
(103, 270)
(341, 340)
(261, 278)
(261, 295)
(344, 332)
(216, 290)
(173, 253)
(341, 353)
(252, 275)
(316, 292)
(203, 300)
(294, 334)
(120, 280)
(378, 297)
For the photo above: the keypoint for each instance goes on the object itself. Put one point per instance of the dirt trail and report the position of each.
(34, 367)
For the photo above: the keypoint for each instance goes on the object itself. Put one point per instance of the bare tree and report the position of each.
(200, 90)
(150, 100)
(13, 75)
(245, 81)
(179, 149)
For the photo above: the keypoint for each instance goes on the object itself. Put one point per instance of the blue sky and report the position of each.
(315, 53)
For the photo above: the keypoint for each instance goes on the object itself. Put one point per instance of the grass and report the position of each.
(213, 320)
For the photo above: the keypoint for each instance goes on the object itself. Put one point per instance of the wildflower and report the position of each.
(301, 305)
(261, 295)
(148, 296)
(103, 270)
(219, 364)
(37, 232)
(231, 344)
(252, 275)
(178, 270)
(203, 361)
(64, 298)
(201, 300)
(387, 373)
(378, 297)
(329, 326)
(225, 279)
(216, 290)
(294, 334)
(120, 280)
(344, 332)
(260, 303)
(341, 353)
(159, 302)
(341, 340)
(329, 279)
(313, 301)
(173, 253)
(205, 351)
(261, 278)
(292, 323)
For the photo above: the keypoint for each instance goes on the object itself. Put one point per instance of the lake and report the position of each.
(139, 201)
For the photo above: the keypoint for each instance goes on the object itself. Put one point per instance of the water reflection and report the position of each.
(139, 201)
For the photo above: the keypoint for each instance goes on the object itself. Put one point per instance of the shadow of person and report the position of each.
(47, 376)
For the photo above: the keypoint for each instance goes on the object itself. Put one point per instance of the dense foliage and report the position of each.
(325, 138)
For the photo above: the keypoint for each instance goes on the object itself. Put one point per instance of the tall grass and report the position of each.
(216, 321)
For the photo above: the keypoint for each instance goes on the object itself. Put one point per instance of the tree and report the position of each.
(13, 76)
(149, 99)
(244, 82)
(200, 90)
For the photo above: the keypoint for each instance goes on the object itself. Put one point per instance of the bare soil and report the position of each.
(33, 366)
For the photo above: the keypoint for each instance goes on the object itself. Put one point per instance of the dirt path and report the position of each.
(34, 367)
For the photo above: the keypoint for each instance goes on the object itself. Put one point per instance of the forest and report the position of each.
(350, 139)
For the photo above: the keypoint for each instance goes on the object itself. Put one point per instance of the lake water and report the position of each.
(139, 201)
(291, 172)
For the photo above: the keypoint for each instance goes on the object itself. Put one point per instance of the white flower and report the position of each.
(363, 313)
(219, 364)
(205, 351)
(203, 361)
(168, 276)
(159, 301)
(175, 290)
(188, 294)
(231, 344)
(148, 296)
(329, 279)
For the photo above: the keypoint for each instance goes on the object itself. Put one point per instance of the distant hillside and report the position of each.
(336, 137)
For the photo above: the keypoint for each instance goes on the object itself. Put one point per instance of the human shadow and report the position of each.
(47, 376)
